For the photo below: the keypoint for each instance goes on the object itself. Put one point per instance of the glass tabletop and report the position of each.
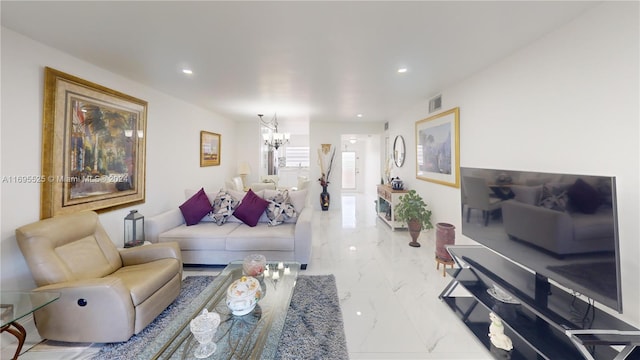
(15, 305)
(255, 335)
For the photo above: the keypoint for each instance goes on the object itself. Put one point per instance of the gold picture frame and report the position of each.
(438, 148)
(209, 148)
(93, 147)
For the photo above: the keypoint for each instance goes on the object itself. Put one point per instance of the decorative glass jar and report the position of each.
(204, 327)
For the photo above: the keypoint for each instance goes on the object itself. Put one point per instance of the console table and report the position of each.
(387, 201)
(546, 323)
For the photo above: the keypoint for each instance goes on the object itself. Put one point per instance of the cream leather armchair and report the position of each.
(107, 295)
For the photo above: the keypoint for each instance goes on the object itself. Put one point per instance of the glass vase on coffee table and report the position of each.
(204, 327)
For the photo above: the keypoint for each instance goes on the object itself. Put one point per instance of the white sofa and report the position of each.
(208, 243)
(562, 232)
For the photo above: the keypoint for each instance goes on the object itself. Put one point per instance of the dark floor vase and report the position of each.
(445, 235)
(325, 199)
(415, 227)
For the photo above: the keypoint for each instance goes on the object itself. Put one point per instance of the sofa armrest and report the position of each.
(156, 225)
(147, 253)
(90, 304)
(302, 234)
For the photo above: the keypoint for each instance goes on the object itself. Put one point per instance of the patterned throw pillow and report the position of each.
(280, 208)
(223, 206)
(554, 197)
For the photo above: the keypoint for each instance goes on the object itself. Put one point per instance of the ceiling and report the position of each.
(303, 60)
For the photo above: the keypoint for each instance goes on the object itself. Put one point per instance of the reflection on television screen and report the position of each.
(561, 226)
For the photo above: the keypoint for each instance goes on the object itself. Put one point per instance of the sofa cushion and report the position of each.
(279, 208)
(223, 206)
(203, 236)
(250, 209)
(527, 194)
(584, 197)
(196, 207)
(144, 280)
(593, 226)
(262, 237)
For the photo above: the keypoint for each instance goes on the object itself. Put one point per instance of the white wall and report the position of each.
(566, 103)
(247, 145)
(173, 141)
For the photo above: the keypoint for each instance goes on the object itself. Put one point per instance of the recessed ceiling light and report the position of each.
(359, 115)
(402, 70)
(187, 71)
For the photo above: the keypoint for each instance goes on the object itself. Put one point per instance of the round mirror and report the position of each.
(398, 151)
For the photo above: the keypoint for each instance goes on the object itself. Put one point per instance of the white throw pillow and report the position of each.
(298, 199)
(238, 195)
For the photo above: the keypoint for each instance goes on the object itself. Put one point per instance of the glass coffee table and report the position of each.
(252, 336)
(15, 305)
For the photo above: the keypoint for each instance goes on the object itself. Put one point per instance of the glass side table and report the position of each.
(15, 305)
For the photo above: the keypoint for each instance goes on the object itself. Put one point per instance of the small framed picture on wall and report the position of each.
(209, 149)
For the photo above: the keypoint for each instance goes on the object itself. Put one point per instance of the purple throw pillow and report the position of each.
(251, 208)
(194, 209)
(584, 197)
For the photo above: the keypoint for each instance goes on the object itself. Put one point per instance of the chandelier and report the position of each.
(274, 139)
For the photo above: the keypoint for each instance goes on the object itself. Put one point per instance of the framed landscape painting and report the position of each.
(93, 147)
(438, 148)
(209, 149)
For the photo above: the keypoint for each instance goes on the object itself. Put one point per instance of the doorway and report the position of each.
(360, 165)
(349, 170)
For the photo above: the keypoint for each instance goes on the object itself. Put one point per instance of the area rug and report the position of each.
(313, 328)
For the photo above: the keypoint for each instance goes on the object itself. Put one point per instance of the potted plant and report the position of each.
(413, 210)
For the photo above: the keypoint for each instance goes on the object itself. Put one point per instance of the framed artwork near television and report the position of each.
(209, 149)
(438, 148)
(93, 147)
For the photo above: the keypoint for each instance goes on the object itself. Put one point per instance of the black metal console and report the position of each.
(547, 322)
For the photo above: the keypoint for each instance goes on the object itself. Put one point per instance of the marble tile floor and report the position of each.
(388, 291)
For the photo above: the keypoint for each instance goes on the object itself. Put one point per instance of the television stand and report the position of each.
(548, 322)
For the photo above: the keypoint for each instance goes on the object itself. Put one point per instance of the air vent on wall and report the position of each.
(435, 104)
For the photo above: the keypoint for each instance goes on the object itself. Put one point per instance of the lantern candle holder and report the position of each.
(133, 229)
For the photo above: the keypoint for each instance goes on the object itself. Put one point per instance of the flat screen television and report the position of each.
(563, 227)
